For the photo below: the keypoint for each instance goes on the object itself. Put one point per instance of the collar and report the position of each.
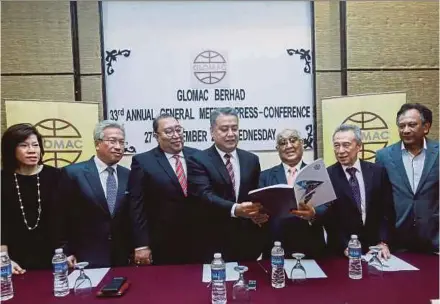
(297, 166)
(357, 165)
(425, 146)
(222, 154)
(169, 155)
(103, 166)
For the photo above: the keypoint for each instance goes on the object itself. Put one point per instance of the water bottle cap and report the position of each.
(59, 250)
(277, 243)
(354, 236)
(217, 255)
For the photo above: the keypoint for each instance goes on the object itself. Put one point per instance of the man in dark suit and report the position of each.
(297, 234)
(221, 177)
(413, 167)
(163, 213)
(94, 220)
(364, 204)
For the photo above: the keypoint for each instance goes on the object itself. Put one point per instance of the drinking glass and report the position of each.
(240, 291)
(375, 265)
(298, 273)
(83, 284)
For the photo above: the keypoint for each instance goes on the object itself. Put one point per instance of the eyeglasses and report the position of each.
(113, 142)
(283, 142)
(170, 132)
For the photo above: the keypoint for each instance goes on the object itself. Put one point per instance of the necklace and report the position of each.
(21, 202)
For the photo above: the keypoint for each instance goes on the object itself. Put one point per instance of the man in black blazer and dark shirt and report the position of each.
(221, 177)
(364, 204)
(162, 211)
(297, 234)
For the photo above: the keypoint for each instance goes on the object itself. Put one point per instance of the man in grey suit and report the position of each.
(413, 168)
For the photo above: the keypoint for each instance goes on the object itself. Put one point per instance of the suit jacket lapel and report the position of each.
(220, 165)
(122, 186)
(430, 156)
(344, 185)
(396, 159)
(163, 161)
(368, 182)
(280, 175)
(92, 176)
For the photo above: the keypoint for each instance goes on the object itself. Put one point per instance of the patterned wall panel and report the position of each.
(92, 91)
(38, 87)
(35, 87)
(88, 37)
(327, 35)
(36, 37)
(420, 86)
(392, 34)
(327, 85)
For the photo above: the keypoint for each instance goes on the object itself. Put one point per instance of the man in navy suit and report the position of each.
(413, 168)
(162, 211)
(364, 204)
(221, 177)
(94, 221)
(297, 234)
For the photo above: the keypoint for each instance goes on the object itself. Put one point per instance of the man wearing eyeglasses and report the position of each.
(221, 177)
(93, 220)
(162, 211)
(297, 232)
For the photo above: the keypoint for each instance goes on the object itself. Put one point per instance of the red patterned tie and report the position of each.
(180, 174)
(230, 169)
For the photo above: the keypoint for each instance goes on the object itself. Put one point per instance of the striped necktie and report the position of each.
(181, 174)
(230, 169)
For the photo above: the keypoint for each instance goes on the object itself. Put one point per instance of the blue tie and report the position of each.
(111, 189)
(354, 184)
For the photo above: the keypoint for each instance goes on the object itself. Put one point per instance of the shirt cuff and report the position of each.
(233, 210)
(141, 248)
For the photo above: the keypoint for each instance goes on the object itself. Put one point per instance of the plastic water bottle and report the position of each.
(7, 291)
(60, 281)
(354, 258)
(277, 260)
(218, 280)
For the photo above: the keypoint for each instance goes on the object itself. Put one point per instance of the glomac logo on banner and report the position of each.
(374, 114)
(66, 127)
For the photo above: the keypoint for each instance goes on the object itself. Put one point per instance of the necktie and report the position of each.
(180, 174)
(111, 189)
(230, 170)
(292, 175)
(354, 184)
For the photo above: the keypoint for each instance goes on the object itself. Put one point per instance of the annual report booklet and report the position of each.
(311, 186)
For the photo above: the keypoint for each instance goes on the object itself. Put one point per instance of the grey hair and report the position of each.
(98, 132)
(291, 132)
(355, 129)
(221, 111)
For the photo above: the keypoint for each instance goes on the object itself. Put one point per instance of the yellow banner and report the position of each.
(66, 127)
(375, 114)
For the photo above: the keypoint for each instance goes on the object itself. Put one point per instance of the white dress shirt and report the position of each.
(236, 167)
(103, 173)
(361, 182)
(173, 161)
(414, 165)
(287, 168)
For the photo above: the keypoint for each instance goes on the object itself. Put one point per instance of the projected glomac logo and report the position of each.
(209, 67)
(62, 142)
(375, 132)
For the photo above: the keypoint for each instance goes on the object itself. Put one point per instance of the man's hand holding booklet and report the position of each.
(312, 185)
